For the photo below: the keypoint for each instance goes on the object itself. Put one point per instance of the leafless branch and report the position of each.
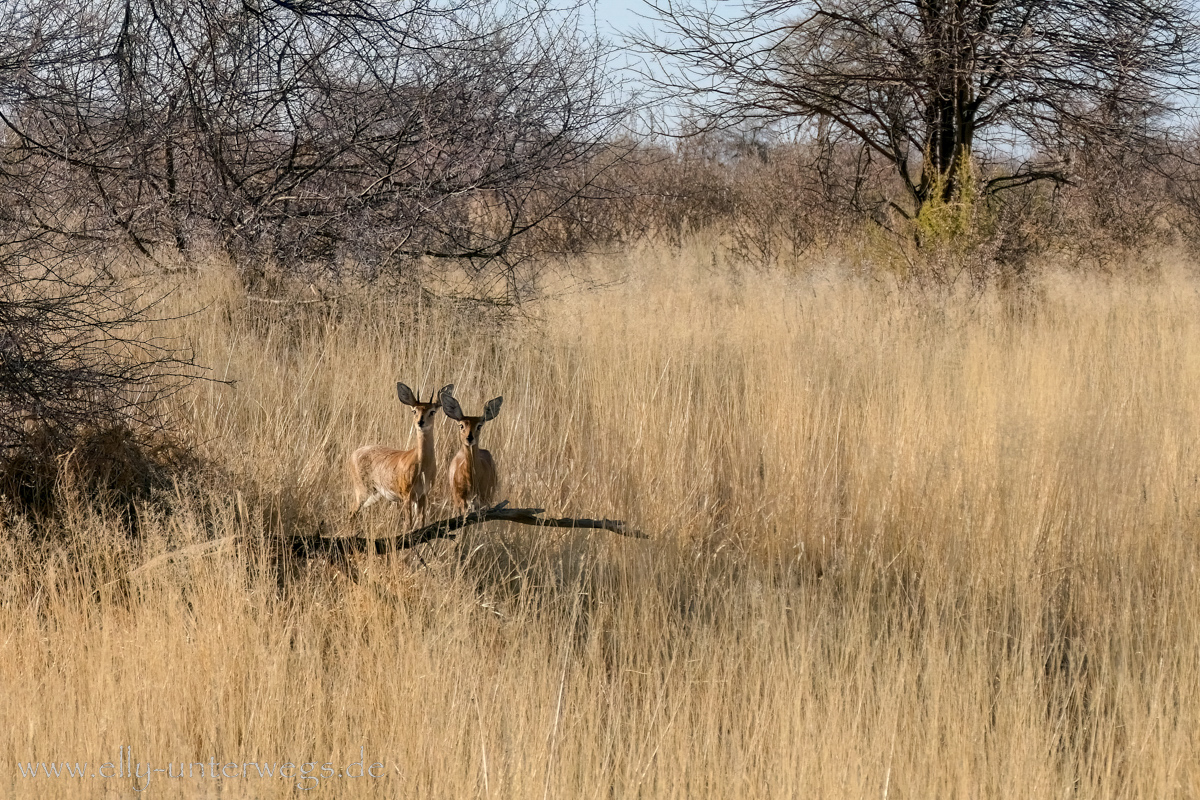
(447, 529)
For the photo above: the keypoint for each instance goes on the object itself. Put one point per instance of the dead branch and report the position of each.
(306, 546)
(285, 302)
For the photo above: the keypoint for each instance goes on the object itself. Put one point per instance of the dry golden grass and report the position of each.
(901, 547)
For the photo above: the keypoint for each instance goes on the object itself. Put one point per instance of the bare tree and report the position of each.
(342, 134)
(77, 353)
(932, 85)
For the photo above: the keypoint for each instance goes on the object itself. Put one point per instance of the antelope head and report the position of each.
(469, 428)
(423, 413)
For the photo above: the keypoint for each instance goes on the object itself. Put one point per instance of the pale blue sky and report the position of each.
(615, 17)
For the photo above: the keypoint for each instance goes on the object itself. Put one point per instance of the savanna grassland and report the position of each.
(902, 545)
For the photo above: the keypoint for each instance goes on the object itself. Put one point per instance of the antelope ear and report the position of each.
(405, 394)
(450, 406)
(492, 408)
(447, 389)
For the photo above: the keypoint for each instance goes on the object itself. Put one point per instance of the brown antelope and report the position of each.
(472, 473)
(385, 473)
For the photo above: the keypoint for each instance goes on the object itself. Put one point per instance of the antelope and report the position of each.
(385, 473)
(472, 473)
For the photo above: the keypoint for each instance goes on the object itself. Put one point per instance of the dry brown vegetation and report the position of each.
(901, 546)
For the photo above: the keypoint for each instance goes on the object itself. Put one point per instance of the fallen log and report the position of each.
(318, 543)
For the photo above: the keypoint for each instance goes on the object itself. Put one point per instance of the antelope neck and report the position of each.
(425, 446)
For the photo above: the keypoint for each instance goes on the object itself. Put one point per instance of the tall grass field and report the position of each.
(900, 545)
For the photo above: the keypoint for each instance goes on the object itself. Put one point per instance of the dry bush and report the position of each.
(676, 190)
(86, 377)
(114, 468)
(771, 201)
(1118, 208)
(797, 196)
(1180, 174)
